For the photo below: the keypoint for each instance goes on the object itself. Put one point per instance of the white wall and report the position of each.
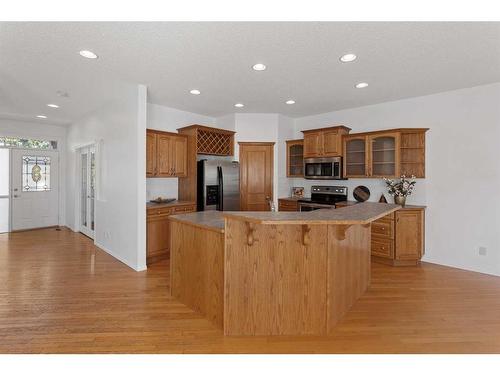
(38, 130)
(169, 119)
(461, 189)
(120, 128)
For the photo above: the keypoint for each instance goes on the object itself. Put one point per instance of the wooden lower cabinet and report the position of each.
(288, 204)
(158, 231)
(398, 238)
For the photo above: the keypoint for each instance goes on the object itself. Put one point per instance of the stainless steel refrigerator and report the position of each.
(218, 185)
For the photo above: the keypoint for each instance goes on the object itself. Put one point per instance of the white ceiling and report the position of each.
(398, 60)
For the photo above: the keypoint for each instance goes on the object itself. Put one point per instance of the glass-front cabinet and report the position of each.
(295, 158)
(356, 156)
(384, 151)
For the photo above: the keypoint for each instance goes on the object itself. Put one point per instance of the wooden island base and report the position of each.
(271, 277)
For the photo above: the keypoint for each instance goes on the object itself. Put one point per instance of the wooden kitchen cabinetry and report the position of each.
(295, 158)
(324, 142)
(166, 154)
(158, 229)
(202, 140)
(398, 238)
(389, 153)
(288, 204)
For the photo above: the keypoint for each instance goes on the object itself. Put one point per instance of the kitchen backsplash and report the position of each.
(377, 188)
(161, 187)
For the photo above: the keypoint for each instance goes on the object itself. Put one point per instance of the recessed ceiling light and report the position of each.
(195, 92)
(259, 67)
(348, 57)
(41, 116)
(290, 101)
(239, 105)
(52, 105)
(88, 54)
(361, 85)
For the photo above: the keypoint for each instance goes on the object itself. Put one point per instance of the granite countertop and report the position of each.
(211, 220)
(170, 204)
(362, 213)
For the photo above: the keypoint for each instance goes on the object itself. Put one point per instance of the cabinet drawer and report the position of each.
(383, 228)
(181, 209)
(159, 211)
(383, 247)
(386, 218)
(287, 205)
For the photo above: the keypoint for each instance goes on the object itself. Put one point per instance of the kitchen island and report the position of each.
(273, 273)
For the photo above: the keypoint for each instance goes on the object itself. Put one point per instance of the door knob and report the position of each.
(16, 196)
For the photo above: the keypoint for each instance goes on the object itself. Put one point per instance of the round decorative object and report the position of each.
(361, 193)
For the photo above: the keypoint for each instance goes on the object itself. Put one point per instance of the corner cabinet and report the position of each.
(166, 154)
(398, 238)
(380, 154)
(324, 142)
(295, 158)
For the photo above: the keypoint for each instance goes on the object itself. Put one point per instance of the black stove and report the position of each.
(323, 197)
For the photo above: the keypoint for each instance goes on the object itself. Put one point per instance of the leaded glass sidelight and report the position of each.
(36, 173)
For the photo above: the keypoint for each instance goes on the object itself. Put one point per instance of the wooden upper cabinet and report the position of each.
(356, 156)
(332, 142)
(388, 153)
(312, 144)
(150, 154)
(166, 154)
(295, 158)
(384, 155)
(179, 156)
(324, 142)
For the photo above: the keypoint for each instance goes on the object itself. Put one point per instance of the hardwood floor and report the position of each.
(60, 294)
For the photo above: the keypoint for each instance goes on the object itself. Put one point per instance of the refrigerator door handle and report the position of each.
(220, 182)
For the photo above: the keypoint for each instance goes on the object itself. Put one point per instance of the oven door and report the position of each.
(322, 168)
(305, 207)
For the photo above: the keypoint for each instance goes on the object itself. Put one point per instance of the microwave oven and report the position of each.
(323, 168)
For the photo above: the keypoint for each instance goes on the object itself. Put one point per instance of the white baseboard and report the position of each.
(135, 267)
(458, 266)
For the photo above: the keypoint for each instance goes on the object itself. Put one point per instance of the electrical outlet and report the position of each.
(482, 250)
(107, 234)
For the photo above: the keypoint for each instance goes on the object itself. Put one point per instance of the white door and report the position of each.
(87, 191)
(35, 189)
(4, 189)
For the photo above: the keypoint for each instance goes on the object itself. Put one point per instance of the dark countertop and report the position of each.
(150, 205)
(362, 213)
(211, 220)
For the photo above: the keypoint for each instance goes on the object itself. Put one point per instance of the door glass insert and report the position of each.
(355, 157)
(84, 191)
(92, 189)
(36, 173)
(4, 190)
(384, 156)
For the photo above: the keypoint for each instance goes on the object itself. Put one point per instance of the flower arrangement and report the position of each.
(400, 189)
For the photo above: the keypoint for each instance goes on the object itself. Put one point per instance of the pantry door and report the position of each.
(35, 189)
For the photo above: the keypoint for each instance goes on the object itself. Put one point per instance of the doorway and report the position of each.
(87, 190)
(34, 177)
(4, 189)
(256, 175)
